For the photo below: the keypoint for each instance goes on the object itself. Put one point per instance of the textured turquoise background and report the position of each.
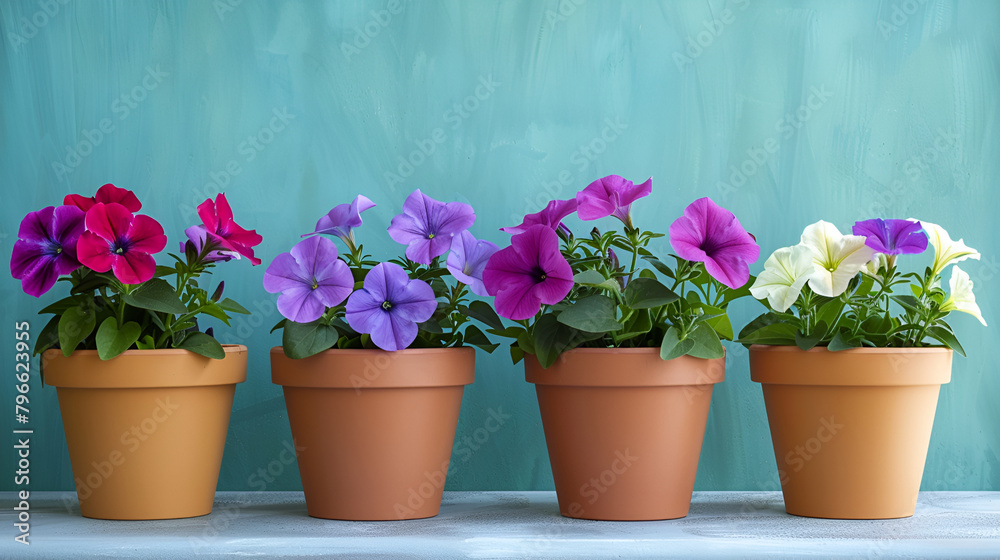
(834, 110)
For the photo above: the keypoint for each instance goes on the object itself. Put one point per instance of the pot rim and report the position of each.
(857, 367)
(83, 369)
(358, 368)
(603, 367)
(863, 350)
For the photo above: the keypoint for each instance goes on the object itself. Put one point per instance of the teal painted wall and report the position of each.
(868, 109)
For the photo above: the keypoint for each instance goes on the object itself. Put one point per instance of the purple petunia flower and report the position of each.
(46, 247)
(197, 236)
(611, 196)
(120, 241)
(711, 234)
(310, 278)
(529, 273)
(892, 237)
(552, 216)
(343, 219)
(428, 226)
(390, 306)
(467, 260)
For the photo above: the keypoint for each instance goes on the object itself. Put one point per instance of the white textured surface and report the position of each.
(515, 525)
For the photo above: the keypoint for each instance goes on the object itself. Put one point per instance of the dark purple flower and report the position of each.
(892, 237)
(611, 196)
(428, 226)
(390, 306)
(467, 260)
(310, 278)
(530, 272)
(46, 247)
(342, 219)
(711, 234)
(552, 216)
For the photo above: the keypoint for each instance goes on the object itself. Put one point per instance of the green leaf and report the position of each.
(672, 346)
(841, 342)
(145, 343)
(908, 303)
(809, 342)
(301, 340)
(830, 311)
(211, 308)
(430, 326)
(947, 338)
(49, 335)
(112, 341)
(475, 337)
(645, 293)
(638, 325)
(233, 307)
(156, 295)
(516, 354)
(483, 312)
(776, 334)
(75, 325)
(719, 321)
(62, 305)
(552, 338)
(595, 314)
(279, 325)
(595, 279)
(660, 266)
(706, 343)
(201, 343)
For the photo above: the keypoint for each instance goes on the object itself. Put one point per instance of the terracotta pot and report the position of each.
(624, 429)
(374, 430)
(850, 429)
(145, 430)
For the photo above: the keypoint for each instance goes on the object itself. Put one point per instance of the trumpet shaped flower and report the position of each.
(892, 237)
(552, 216)
(836, 257)
(786, 271)
(46, 247)
(467, 260)
(961, 298)
(389, 306)
(530, 272)
(611, 196)
(343, 219)
(310, 278)
(224, 234)
(710, 234)
(106, 194)
(946, 251)
(427, 226)
(121, 242)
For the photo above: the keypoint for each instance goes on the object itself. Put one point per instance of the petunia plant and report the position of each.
(846, 291)
(564, 291)
(422, 300)
(119, 299)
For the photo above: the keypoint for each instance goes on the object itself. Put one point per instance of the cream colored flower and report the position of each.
(961, 298)
(785, 272)
(837, 258)
(946, 250)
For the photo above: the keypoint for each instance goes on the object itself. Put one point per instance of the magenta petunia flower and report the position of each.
(390, 306)
(120, 241)
(343, 218)
(467, 260)
(711, 234)
(552, 216)
(197, 236)
(106, 194)
(611, 196)
(892, 237)
(46, 247)
(428, 226)
(310, 278)
(529, 273)
(220, 229)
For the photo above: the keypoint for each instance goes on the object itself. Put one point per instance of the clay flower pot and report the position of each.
(624, 429)
(850, 429)
(373, 429)
(145, 430)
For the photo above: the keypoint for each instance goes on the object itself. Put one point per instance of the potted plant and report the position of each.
(851, 355)
(145, 395)
(375, 357)
(623, 357)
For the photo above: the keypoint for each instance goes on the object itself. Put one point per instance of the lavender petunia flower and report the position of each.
(711, 234)
(892, 237)
(530, 272)
(343, 219)
(310, 278)
(552, 216)
(428, 226)
(46, 247)
(467, 260)
(390, 306)
(611, 196)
